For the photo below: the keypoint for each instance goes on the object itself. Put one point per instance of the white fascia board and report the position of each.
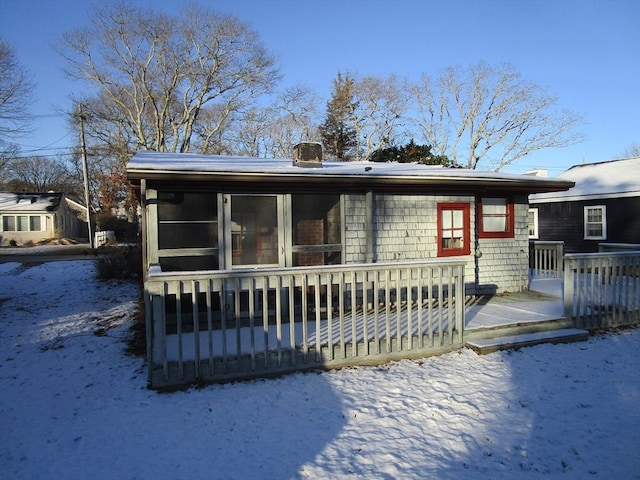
(577, 198)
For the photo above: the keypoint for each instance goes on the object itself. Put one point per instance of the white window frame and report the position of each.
(43, 223)
(603, 224)
(535, 234)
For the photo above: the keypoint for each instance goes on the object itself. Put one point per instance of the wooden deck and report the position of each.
(224, 325)
(244, 324)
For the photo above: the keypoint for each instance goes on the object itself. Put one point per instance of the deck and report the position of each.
(516, 320)
(542, 302)
(231, 325)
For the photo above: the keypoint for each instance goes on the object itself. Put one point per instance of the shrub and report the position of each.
(124, 263)
(119, 226)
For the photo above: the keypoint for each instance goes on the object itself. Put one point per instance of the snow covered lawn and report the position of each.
(73, 405)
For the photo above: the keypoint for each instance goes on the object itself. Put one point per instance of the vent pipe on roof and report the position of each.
(537, 172)
(307, 155)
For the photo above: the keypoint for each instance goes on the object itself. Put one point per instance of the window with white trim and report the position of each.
(22, 223)
(533, 223)
(595, 222)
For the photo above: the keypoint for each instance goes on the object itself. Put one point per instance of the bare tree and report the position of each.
(16, 94)
(272, 131)
(379, 114)
(632, 151)
(296, 118)
(16, 98)
(8, 153)
(157, 74)
(39, 174)
(490, 116)
(250, 132)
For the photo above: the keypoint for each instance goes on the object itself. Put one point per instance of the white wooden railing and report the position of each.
(545, 258)
(602, 290)
(219, 325)
(618, 247)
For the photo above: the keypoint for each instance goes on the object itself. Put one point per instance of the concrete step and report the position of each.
(484, 346)
(518, 328)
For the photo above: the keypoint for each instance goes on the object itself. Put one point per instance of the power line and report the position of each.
(47, 147)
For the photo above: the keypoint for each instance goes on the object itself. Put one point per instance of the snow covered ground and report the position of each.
(73, 405)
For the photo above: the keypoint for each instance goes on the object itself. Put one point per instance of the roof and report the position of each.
(29, 202)
(159, 166)
(611, 179)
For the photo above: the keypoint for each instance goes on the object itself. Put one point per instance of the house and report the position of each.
(603, 207)
(221, 213)
(259, 266)
(33, 217)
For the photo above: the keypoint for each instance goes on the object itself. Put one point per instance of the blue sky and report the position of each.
(587, 52)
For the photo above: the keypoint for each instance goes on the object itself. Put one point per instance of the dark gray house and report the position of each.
(603, 207)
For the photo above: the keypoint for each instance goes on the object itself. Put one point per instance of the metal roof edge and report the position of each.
(576, 198)
(531, 184)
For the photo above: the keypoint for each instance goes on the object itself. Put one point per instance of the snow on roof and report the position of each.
(29, 202)
(148, 162)
(614, 178)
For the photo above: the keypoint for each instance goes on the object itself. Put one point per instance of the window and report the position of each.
(453, 229)
(316, 222)
(34, 224)
(533, 223)
(22, 223)
(8, 223)
(595, 222)
(188, 230)
(496, 218)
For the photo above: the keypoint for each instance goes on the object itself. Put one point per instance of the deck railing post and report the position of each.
(568, 287)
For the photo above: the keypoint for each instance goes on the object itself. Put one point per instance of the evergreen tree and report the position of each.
(337, 131)
(410, 153)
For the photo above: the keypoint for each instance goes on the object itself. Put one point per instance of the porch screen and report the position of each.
(254, 230)
(188, 230)
(316, 230)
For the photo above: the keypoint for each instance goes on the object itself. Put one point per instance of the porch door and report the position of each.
(255, 237)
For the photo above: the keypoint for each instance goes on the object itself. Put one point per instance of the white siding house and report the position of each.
(32, 217)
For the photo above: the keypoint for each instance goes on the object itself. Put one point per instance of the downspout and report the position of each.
(477, 253)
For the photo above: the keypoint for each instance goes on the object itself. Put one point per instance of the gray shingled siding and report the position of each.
(405, 228)
(504, 262)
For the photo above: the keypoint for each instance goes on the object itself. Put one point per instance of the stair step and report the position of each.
(518, 328)
(490, 345)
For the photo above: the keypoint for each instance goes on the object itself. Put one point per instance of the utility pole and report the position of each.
(85, 171)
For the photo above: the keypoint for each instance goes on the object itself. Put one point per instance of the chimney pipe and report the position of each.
(307, 155)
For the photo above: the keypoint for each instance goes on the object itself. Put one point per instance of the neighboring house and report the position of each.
(221, 213)
(603, 207)
(33, 217)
